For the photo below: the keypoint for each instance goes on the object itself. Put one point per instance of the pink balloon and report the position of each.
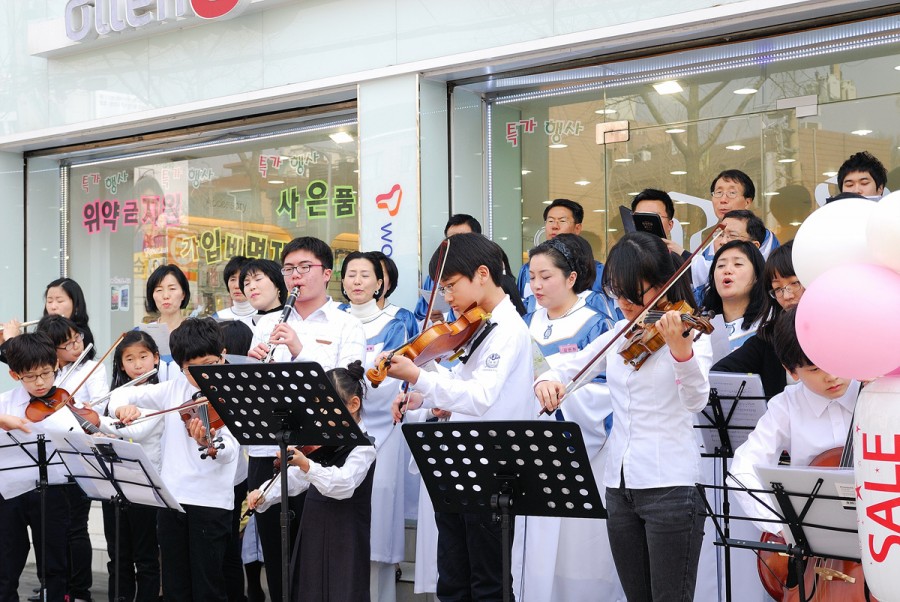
(846, 323)
(894, 372)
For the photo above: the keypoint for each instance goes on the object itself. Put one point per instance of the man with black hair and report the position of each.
(32, 362)
(564, 216)
(863, 174)
(730, 190)
(192, 544)
(651, 200)
(316, 330)
(489, 383)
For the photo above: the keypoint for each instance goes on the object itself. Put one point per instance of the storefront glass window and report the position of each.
(787, 111)
(198, 207)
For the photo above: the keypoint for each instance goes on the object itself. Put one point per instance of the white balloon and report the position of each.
(833, 235)
(883, 231)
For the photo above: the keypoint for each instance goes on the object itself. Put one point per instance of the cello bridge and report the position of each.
(831, 574)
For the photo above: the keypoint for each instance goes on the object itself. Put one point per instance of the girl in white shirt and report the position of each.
(332, 550)
(656, 518)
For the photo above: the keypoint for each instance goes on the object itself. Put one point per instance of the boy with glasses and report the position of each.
(32, 363)
(316, 330)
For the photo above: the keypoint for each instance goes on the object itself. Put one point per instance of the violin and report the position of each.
(437, 341)
(644, 339)
(202, 410)
(56, 399)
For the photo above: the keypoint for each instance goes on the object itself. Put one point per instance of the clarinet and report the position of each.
(285, 312)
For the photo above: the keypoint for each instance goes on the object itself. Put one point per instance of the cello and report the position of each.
(828, 580)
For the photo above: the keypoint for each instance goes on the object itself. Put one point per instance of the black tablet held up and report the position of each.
(649, 222)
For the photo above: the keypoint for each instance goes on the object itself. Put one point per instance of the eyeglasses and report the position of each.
(552, 221)
(732, 235)
(47, 376)
(792, 288)
(615, 295)
(303, 268)
(731, 194)
(448, 289)
(72, 343)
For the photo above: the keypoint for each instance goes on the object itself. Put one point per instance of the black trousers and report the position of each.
(233, 566)
(16, 515)
(469, 560)
(80, 551)
(137, 552)
(268, 524)
(192, 547)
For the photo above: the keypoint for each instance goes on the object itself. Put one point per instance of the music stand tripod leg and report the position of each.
(283, 437)
(500, 504)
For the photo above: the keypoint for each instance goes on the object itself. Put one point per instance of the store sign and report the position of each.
(91, 19)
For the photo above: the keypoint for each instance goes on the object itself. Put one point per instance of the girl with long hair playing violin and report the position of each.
(656, 515)
(332, 550)
(137, 551)
(362, 284)
(561, 270)
(198, 466)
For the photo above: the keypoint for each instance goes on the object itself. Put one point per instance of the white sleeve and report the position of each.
(339, 483)
(296, 485)
(692, 376)
(762, 448)
(97, 386)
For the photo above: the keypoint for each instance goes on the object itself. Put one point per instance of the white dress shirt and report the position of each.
(652, 440)
(799, 421)
(495, 382)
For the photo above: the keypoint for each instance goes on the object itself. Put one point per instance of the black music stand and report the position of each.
(28, 456)
(722, 433)
(115, 471)
(525, 468)
(282, 404)
(817, 524)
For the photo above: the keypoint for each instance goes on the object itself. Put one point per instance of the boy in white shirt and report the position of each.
(192, 544)
(808, 418)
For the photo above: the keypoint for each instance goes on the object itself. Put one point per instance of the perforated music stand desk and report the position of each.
(282, 404)
(116, 471)
(524, 468)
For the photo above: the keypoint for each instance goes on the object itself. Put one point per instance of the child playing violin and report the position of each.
(32, 362)
(491, 382)
(332, 548)
(192, 544)
(656, 514)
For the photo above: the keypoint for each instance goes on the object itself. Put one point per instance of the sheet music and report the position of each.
(439, 303)
(18, 466)
(160, 334)
(835, 514)
(750, 408)
(134, 473)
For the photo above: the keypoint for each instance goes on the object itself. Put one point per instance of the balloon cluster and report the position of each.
(847, 256)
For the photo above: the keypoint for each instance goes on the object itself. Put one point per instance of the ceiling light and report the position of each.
(525, 217)
(669, 87)
(861, 132)
(525, 172)
(897, 68)
(633, 193)
(623, 160)
(787, 160)
(599, 210)
(558, 145)
(735, 147)
(829, 174)
(685, 223)
(605, 111)
(678, 173)
(612, 230)
(546, 202)
(676, 131)
(582, 182)
(771, 193)
(276, 181)
(796, 223)
(341, 137)
(745, 91)
(680, 202)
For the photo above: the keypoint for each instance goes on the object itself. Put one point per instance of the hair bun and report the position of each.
(355, 370)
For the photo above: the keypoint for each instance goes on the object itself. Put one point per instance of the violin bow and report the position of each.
(130, 383)
(97, 365)
(579, 379)
(74, 366)
(442, 259)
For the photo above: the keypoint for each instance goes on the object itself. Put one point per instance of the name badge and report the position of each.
(570, 348)
(370, 348)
